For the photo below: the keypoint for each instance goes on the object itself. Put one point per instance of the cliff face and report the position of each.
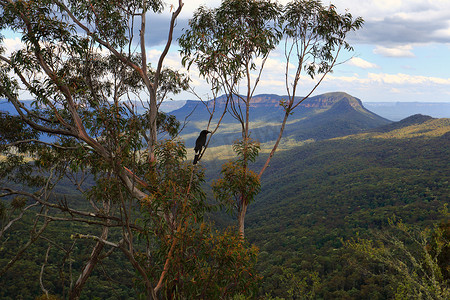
(323, 101)
(327, 100)
(261, 103)
(319, 117)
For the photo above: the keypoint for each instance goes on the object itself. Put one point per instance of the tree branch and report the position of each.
(7, 226)
(40, 142)
(19, 253)
(41, 274)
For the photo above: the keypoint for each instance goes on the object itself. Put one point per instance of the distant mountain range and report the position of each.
(320, 117)
(411, 120)
(394, 111)
(397, 111)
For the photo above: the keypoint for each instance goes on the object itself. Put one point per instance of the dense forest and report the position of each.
(101, 198)
(333, 191)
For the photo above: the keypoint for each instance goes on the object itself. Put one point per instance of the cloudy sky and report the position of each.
(401, 54)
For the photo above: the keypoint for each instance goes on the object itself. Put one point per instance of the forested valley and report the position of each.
(103, 195)
(318, 196)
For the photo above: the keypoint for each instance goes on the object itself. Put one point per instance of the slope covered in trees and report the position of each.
(331, 191)
(327, 192)
(83, 63)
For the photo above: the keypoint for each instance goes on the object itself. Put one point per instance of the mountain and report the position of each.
(265, 106)
(411, 120)
(344, 116)
(417, 126)
(319, 117)
(397, 111)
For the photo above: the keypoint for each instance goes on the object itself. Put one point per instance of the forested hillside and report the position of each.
(100, 194)
(314, 198)
(324, 193)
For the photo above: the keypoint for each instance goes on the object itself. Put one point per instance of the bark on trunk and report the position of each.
(89, 267)
(241, 219)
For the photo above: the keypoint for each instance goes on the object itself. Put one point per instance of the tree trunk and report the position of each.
(241, 219)
(153, 129)
(89, 267)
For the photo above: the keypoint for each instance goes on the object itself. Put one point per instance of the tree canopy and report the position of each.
(85, 66)
(231, 44)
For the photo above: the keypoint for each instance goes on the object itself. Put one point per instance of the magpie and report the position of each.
(199, 144)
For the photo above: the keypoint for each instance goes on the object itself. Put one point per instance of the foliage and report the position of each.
(304, 285)
(137, 197)
(338, 189)
(224, 42)
(213, 265)
(412, 259)
(231, 44)
(238, 185)
(199, 260)
(317, 32)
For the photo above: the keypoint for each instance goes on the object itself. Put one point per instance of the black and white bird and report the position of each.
(199, 144)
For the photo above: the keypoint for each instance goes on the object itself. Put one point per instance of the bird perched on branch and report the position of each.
(199, 144)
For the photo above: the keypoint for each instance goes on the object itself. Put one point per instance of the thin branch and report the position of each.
(95, 238)
(40, 142)
(291, 107)
(17, 218)
(33, 238)
(98, 40)
(18, 106)
(90, 265)
(168, 43)
(175, 238)
(217, 125)
(71, 211)
(41, 274)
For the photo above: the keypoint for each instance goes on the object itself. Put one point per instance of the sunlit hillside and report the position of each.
(430, 128)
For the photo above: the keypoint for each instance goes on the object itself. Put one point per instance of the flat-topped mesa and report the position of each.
(323, 101)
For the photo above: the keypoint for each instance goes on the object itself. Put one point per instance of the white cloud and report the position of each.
(405, 79)
(361, 63)
(153, 54)
(443, 33)
(171, 60)
(12, 45)
(399, 51)
(390, 80)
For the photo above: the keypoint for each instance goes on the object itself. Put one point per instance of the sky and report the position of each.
(402, 53)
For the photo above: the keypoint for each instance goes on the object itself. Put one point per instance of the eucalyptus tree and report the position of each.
(230, 46)
(83, 66)
(64, 37)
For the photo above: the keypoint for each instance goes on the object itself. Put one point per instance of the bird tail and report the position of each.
(196, 158)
